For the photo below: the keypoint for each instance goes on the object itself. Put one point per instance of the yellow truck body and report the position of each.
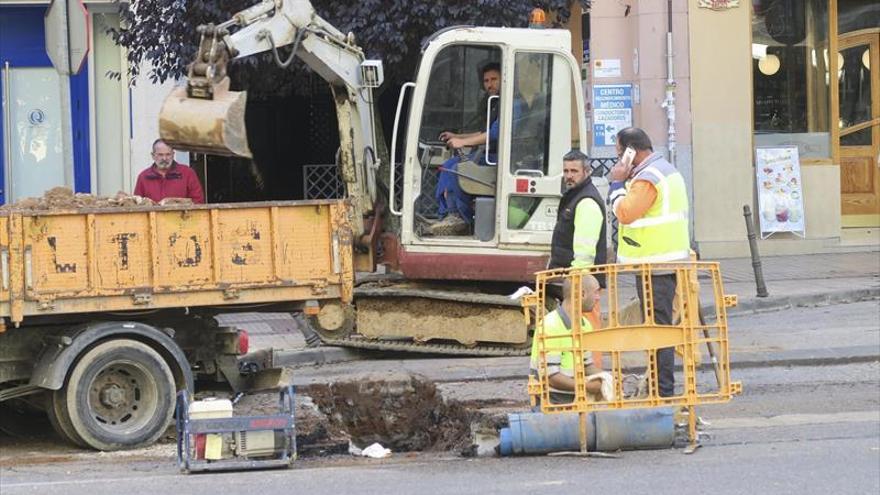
(141, 258)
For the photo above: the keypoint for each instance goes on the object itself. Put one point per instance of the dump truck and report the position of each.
(108, 312)
(438, 293)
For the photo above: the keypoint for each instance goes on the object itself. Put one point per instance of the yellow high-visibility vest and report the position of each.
(558, 347)
(661, 235)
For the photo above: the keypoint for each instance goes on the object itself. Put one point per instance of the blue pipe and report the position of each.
(608, 431)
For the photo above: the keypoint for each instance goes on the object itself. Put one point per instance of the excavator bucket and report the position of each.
(213, 126)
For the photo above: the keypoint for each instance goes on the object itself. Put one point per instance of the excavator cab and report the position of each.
(507, 188)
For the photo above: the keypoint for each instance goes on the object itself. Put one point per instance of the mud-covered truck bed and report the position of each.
(137, 258)
(108, 312)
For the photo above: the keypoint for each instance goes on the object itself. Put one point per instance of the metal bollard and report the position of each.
(756, 257)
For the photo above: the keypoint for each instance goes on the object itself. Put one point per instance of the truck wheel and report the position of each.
(119, 395)
(60, 420)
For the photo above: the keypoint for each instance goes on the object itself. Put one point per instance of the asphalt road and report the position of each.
(836, 453)
(804, 430)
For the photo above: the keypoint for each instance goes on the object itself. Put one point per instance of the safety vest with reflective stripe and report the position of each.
(558, 349)
(661, 235)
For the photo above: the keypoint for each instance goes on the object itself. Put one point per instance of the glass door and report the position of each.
(34, 134)
(859, 100)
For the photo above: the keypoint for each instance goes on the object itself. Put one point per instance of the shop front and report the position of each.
(793, 134)
(814, 91)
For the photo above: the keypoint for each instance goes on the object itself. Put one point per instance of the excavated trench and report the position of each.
(403, 413)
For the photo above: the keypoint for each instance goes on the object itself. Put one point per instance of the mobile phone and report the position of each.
(628, 156)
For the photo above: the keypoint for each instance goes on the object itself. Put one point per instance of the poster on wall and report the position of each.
(612, 111)
(607, 67)
(780, 190)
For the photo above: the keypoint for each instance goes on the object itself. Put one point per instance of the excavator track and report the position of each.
(429, 348)
(432, 318)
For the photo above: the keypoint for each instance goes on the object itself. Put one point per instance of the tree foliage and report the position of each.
(160, 35)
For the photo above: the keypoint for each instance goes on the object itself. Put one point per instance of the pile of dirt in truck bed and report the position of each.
(63, 198)
(404, 413)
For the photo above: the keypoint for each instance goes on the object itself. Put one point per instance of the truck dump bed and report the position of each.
(139, 258)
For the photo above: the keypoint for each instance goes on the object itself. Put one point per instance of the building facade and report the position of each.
(724, 86)
(91, 131)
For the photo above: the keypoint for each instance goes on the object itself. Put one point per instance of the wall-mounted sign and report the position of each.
(612, 111)
(780, 190)
(606, 67)
(718, 4)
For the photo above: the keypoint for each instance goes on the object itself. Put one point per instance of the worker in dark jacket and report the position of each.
(166, 178)
(579, 236)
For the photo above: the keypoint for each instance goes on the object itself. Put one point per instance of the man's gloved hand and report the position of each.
(606, 393)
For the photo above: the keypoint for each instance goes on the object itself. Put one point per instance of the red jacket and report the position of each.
(179, 181)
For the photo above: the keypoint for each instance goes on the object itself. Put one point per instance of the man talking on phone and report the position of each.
(648, 196)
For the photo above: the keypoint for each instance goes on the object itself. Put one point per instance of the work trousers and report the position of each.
(450, 198)
(663, 289)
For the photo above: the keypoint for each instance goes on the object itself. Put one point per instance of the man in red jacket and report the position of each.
(166, 178)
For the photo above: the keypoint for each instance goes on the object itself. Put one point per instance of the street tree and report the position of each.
(160, 35)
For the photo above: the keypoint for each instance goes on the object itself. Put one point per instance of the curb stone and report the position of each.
(777, 303)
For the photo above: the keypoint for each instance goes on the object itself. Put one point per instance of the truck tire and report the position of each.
(56, 409)
(119, 395)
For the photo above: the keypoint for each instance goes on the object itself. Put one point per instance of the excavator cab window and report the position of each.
(530, 136)
(456, 102)
(544, 128)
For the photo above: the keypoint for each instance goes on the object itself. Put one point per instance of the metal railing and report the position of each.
(322, 182)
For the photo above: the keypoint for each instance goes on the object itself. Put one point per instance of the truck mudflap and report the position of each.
(256, 372)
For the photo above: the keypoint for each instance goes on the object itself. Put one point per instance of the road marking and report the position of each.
(796, 420)
(84, 482)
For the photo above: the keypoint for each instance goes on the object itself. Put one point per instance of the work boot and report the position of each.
(452, 224)
(423, 225)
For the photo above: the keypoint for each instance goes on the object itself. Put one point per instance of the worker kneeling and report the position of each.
(558, 346)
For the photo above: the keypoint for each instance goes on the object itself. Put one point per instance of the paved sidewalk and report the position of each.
(792, 281)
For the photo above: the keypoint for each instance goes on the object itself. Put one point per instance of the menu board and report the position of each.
(780, 190)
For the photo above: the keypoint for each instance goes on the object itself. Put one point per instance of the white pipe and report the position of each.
(669, 101)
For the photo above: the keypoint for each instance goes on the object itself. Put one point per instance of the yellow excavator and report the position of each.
(432, 293)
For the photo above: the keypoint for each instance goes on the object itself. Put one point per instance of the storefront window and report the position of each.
(854, 15)
(790, 74)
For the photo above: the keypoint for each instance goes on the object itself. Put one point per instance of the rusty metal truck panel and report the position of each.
(137, 258)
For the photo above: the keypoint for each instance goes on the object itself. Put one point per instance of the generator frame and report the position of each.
(187, 428)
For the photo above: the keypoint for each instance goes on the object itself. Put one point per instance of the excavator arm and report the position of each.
(205, 116)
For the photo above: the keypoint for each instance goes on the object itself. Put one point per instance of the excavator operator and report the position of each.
(455, 206)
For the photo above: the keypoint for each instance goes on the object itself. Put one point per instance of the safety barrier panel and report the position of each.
(630, 336)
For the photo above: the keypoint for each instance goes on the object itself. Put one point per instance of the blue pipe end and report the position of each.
(505, 447)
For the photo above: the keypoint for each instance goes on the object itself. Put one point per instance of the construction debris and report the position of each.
(63, 198)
